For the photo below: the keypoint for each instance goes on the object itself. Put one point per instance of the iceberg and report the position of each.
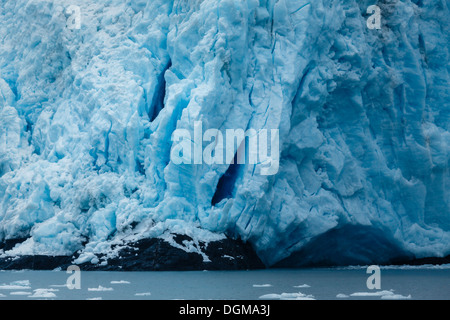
(91, 94)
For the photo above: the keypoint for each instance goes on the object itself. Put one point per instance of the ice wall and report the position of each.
(87, 115)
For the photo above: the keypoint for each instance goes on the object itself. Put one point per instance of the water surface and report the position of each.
(432, 282)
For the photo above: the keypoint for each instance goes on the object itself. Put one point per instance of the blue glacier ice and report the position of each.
(87, 115)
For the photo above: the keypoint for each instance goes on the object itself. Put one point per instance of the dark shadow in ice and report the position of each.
(347, 245)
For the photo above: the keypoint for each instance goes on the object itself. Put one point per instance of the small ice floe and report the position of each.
(20, 293)
(100, 288)
(383, 294)
(96, 298)
(12, 287)
(287, 296)
(143, 294)
(16, 285)
(43, 293)
(371, 294)
(58, 286)
(395, 297)
(303, 286)
(342, 296)
(2, 295)
(262, 285)
(228, 257)
(120, 282)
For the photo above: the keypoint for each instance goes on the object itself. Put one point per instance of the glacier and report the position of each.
(87, 115)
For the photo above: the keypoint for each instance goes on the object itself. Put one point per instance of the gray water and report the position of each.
(347, 283)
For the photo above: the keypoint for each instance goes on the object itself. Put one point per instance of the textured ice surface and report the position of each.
(86, 118)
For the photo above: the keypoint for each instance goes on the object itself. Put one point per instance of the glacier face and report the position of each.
(87, 115)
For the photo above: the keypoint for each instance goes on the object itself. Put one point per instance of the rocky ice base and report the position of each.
(148, 255)
(158, 255)
(87, 115)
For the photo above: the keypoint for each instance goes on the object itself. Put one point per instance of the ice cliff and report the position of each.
(87, 114)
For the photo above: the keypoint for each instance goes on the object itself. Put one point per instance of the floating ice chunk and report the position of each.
(143, 294)
(287, 296)
(303, 286)
(43, 293)
(342, 296)
(24, 283)
(58, 286)
(100, 288)
(16, 285)
(120, 282)
(262, 285)
(96, 298)
(395, 297)
(20, 293)
(384, 294)
(372, 294)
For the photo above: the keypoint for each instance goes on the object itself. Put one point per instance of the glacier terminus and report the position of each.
(91, 93)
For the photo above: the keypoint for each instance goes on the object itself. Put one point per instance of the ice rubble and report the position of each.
(86, 118)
